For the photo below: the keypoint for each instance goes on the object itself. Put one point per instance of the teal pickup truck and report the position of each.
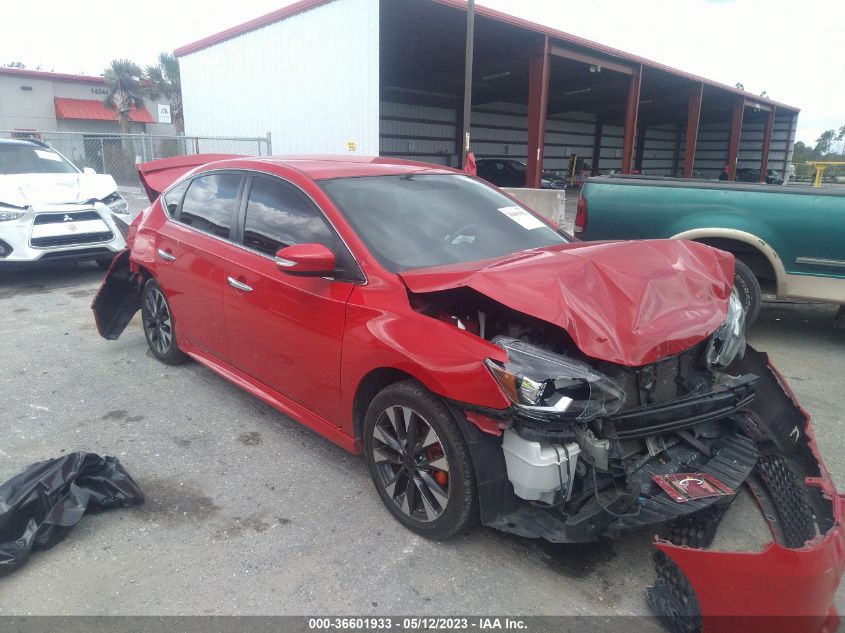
(788, 241)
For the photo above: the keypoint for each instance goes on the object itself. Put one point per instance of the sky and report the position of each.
(793, 51)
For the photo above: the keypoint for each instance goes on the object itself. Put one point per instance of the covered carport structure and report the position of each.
(542, 96)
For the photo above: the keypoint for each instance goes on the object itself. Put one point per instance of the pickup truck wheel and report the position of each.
(419, 461)
(748, 288)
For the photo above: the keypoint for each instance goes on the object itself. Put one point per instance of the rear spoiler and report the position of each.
(158, 175)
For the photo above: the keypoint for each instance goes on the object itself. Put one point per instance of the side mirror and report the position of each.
(307, 260)
(89, 170)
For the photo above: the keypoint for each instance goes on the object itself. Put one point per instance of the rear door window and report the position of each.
(210, 204)
(174, 196)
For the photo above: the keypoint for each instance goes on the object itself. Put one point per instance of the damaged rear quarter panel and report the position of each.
(118, 298)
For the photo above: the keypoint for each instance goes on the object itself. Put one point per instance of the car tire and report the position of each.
(748, 289)
(104, 263)
(159, 326)
(426, 481)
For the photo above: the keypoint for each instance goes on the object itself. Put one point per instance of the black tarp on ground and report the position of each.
(40, 505)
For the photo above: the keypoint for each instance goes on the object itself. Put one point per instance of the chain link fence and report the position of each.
(118, 154)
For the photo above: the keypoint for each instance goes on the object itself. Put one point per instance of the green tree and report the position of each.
(125, 89)
(824, 141)
(163, 81)
(15, 65)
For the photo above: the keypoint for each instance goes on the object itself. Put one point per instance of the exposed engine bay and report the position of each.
(591, 442)
(591, 449)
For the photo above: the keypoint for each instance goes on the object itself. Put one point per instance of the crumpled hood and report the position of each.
(24, 190)
(630, 303)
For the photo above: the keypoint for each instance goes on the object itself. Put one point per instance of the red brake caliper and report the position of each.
(433, 453)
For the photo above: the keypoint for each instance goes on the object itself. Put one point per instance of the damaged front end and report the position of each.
(588, 447)
(592, 449)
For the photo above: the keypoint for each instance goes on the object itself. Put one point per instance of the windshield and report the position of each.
(418, 221)
(30, 159)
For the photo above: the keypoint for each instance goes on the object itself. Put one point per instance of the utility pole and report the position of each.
(468, 80)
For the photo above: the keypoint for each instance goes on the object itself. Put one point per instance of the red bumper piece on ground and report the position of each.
(779, 589)
(772, 591)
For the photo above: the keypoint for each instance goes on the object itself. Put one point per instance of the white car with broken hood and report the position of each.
(51, 211)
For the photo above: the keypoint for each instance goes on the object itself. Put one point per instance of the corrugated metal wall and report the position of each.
(415, 132)
(428, 134)
(310, 80)
(713, 139)
(659, 157)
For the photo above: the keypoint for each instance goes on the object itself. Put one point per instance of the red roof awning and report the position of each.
(94, 110)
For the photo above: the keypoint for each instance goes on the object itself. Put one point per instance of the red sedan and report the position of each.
(487, 364)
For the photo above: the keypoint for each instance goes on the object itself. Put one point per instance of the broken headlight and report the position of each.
(547, 385)
(728, 341)
(116, 203)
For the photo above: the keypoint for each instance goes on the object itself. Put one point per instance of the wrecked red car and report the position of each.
(490, 366)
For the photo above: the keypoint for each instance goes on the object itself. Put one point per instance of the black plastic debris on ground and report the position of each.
(39, 506)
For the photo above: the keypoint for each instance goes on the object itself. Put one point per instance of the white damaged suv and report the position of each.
(52, 211)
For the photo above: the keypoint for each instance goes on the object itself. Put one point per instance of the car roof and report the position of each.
(22, 141)
(326, 167)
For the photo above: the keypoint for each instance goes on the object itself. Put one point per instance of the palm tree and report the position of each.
(126, 90)
(163, 80)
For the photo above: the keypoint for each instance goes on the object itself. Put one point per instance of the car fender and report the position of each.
(444, 359)
(748, 238)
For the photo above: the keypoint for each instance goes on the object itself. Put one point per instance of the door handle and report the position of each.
(238, 284)
(169, 257)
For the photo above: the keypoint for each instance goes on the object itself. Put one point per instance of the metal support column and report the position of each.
(640, 151)
(538, 102)
(696, 96)
(631, 111)
(468, 80)
(597, 145)
(676, 149)
(736, 134)
(767, 143)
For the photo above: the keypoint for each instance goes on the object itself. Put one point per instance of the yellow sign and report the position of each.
(351, 146)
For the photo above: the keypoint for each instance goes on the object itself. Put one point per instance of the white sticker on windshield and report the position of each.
(48, 155)
(522, 217)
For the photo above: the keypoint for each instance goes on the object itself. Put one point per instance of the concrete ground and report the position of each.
(247, 512)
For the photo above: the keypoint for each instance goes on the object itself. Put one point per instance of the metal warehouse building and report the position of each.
(387, 77)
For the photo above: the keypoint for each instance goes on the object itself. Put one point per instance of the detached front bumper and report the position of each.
(788, 586)
(777, 590)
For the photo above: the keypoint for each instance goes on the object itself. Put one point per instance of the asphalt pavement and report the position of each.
(249, 513)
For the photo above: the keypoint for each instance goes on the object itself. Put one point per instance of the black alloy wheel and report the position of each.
(411, 463)
(159, 328)
(419, 461)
